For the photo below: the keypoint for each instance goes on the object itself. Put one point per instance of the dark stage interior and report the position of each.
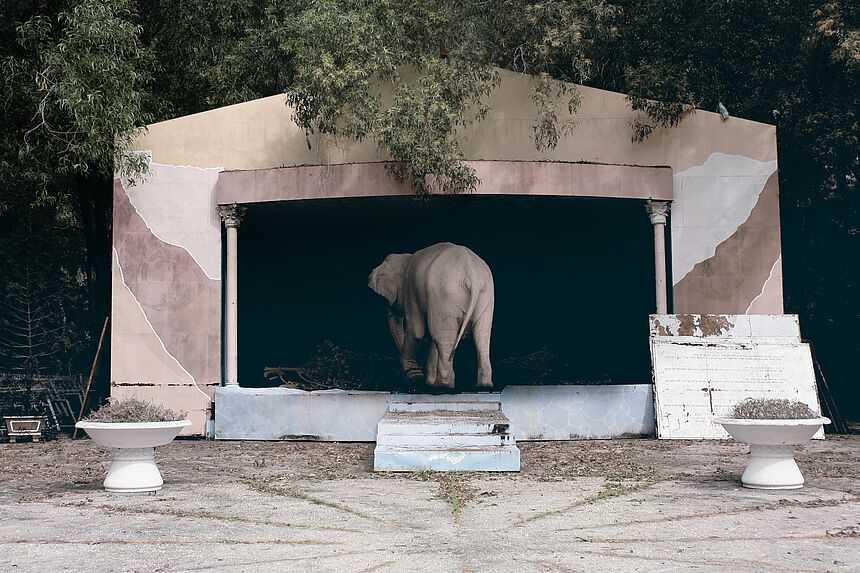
(574, 281)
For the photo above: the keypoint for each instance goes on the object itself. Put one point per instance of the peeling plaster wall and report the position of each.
(177, 204)
(725, 222)
(743, 273)
(166, 334)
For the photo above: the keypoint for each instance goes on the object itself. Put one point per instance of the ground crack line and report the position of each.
(266, 488)
(194, 542)
(733, 565)
(787, 504)
(615, 490)
(204, 515)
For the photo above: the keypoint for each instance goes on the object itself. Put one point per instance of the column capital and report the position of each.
(231, 214)
(657, 210)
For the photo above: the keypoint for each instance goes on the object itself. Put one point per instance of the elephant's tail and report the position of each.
(467, 318)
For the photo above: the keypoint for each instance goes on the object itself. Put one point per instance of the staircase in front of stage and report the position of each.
(452, 432)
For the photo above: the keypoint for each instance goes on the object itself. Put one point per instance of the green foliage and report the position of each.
(666, 105)
(73, 79)
(210, 54)
(436, 58)
(79, 73)
(76, 76)
(344, 53)
(845, 39)
(27, 344)
(792, 63)
(554, 40)
(419, 130)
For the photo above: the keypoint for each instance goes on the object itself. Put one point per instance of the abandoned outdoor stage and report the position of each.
(244, 248)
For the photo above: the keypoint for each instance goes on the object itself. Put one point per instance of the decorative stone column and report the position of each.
(658, 211)
(232, 216)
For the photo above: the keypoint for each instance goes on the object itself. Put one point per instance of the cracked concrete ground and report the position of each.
(620, 505)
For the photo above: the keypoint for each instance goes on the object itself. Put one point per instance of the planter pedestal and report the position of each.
(772, 467)
(133, 468)
(772, 443)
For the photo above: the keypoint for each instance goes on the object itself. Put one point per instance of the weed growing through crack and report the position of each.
(454, 502)
(610, 490)
(262, 486)
(454, 489)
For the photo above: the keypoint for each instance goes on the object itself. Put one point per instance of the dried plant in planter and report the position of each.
(772, 409)
(134, 410)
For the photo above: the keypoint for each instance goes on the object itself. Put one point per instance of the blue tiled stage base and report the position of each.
(535, 412)
(579, 412)
(290, 414)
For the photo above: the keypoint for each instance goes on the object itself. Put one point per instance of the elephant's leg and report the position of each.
(432, 365)
(395, 325)
(443, 333)
(481, 335)
(444, 363)
(412, 336)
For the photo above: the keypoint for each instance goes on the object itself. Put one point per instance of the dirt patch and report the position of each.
(612, 459)
(66, 466)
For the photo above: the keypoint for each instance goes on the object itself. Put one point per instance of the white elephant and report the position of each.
(438, 293)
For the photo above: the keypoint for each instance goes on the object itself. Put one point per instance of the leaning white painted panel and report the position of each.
(775, 326)
(699, 378)
(693, 328)
(178, 205)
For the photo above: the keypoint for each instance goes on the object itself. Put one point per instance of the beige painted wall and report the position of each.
(261, 134)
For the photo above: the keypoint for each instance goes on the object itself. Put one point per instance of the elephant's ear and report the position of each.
(387, 278)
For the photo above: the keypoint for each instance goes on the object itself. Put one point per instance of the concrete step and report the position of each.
(449, 402)
(476, 459)
(439, 398)
(443, 422)
(445, 440)
(444, 406)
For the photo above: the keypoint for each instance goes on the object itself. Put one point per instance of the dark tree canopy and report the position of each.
(76, 76)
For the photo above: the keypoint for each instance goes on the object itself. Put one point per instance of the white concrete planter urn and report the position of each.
(772, 443)
(133, 466)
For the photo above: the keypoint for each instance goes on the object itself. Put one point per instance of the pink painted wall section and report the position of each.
(166, 331)
(497, 178)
